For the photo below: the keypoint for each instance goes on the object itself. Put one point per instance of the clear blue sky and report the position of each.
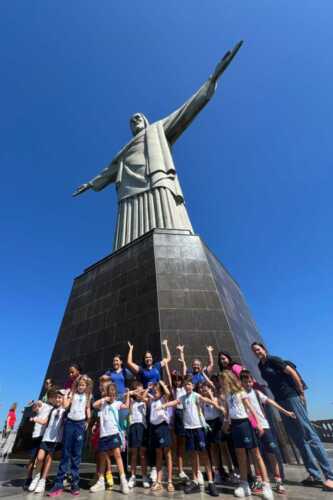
(256, 166)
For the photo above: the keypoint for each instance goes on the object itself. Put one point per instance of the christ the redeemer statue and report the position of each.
(149, 193)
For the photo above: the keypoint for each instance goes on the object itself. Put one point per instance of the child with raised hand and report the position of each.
(214, 419)
(137, 432)
(53, 422)
(194, 425)
(78, 404)
(267, 439)
(160, 435)
(239, 409)
(110, 431)
(103, 462)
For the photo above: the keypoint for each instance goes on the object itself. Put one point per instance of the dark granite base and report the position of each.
(166, 284)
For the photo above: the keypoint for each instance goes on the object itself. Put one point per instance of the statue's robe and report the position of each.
(149, 193)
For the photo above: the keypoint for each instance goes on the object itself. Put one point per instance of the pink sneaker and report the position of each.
(55, 492)
(75, 493)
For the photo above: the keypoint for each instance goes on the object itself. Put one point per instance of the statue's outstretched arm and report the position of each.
(107, 176)
(176, 123)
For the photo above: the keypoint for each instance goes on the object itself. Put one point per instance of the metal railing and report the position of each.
(324, 429)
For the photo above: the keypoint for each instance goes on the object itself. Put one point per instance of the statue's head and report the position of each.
(138, 122)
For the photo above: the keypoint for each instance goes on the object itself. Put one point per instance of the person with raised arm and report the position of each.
(149, 372)
(196, 372)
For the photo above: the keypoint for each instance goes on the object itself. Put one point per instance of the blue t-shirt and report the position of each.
(119, 379)
(150, 375)
(197, 378)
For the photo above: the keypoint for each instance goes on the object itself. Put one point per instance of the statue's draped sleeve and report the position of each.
(107, 176)
(178, 121)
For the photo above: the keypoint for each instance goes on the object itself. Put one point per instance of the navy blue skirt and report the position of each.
(243, 434)
(160, 435)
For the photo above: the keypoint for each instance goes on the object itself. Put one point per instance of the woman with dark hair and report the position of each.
(149, 372)
(119, 375)
(226, 362)
(288, 390)
(74, 371)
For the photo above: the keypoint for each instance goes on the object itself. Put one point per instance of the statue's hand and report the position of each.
(225, 61)
(81, 189)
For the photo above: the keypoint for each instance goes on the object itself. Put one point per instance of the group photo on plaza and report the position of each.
(154, 378)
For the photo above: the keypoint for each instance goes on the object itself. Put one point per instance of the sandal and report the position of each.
(157, 486)
(312, 482)
(170, 487)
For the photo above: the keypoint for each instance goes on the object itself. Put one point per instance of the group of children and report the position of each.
(219, 420)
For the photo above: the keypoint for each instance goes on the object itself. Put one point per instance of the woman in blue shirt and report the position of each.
(149, 372)
(119, 375)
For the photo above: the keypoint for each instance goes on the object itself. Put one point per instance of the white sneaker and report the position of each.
(40, 488)
(267, 492)
(183, 476)
(124, 485)
(153, 475)
(243, 490)
(132, 482)
(98, 486)
(145, 482)
(218, 478)
(201, 480)
(34, 482)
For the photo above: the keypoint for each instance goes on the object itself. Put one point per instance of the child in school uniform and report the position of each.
(78, 404)
(160, 435)
(194, 425)
(41, 411)
(51, 439)
(239, 409)
(137, 433)
(267, 440)
(103, 461)
(110, 430)
(214, 420)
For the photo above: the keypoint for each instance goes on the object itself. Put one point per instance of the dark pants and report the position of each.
(306, 439)
(72, 445)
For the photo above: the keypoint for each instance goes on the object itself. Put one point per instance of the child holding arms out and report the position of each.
(267, 440)
(239, 409)
(160, 435)
(103, 462)
(110, 438)
(51, 440)
(41, 411)
(77, 402)
(195, 435)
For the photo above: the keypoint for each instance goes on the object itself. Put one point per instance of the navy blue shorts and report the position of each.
(243, 434)
(179, 424)
(267, 442)
(50, 447)
(213, 435)
(35, 445)
(109, 442)
(160, 435)
(195, 439)
(137, 436)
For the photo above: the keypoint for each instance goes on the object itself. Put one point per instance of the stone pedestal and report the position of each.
(165, 285)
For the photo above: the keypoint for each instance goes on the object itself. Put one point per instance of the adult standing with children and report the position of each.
(288, 390)
(149, 372)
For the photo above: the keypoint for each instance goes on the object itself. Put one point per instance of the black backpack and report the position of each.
(293, 366)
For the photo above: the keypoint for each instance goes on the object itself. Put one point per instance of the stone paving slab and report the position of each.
(12, 476)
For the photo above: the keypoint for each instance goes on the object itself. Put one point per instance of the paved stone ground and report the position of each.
(12, 475)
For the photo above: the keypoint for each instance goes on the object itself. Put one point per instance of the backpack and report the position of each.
(293, 366)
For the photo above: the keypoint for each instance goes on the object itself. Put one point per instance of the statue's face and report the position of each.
(137, 123)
